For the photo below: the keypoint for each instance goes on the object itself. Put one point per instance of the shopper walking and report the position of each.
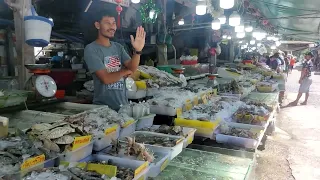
(305, 80)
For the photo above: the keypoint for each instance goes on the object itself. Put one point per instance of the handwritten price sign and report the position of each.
(80, 141)
(33, 161)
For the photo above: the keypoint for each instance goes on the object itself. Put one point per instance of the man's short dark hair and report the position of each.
(103, 13)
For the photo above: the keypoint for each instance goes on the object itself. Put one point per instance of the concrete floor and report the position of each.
(292, 152)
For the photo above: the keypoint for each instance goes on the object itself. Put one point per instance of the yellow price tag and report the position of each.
(141, 168)
(142, 177)
(188, 105)
(204, 99)
(215, 92)
(164, 164)
(195, 101)
(108, 170)
(128, 123)
(190, 139)
(33, 161)
(111, 130)
(80, 142)
(179, 112)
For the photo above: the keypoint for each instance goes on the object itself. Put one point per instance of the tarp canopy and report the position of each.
(295, 19)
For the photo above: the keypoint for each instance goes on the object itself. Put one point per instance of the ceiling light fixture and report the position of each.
(234, 19)
(222, 19)
(241, 35)
(135, 1)
(201, 8)
(239, 28)
(215, 25)
(252, 42)
(226, 4)
(181, 22)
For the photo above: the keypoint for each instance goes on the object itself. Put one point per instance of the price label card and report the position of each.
(164, 164)
(215, 92)
(111, 130)
(141, 168)
(108, 170)
(80, 142)
(128, 123)
(195, 101)
(179, 112)
(33, 161)
(204, 99)
(188, 105)
(190, 139)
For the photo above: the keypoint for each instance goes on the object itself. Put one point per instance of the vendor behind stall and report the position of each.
(110, 64)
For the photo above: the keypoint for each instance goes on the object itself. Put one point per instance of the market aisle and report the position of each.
(293, 152)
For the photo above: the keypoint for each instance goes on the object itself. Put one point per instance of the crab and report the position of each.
(139, 150)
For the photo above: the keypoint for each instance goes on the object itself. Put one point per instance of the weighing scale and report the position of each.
(43, 86)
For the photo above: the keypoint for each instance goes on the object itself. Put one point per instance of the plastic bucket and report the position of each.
(37, 30)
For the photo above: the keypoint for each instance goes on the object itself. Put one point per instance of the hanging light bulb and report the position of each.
(152, 13)
(259, 44)
(239, 28)
(259, 38)
(248, 28)
(229, 37)
(252, 42)
(240, 42)
(241, 35)
(226, 4)
(278, 43)
(245, 46)
(224, 36)
(216, 24)
(234, 19)
(135, 1)
(201, 8)
(263, 34)
(276, 39)
(222, 19)
(50, 19)
(273, 47)
(181, 22)
(253, 48)
(255, 34)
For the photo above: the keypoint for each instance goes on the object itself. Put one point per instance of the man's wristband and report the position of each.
(137, 52)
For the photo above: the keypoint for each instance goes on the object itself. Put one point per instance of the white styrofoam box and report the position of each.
(151, 91)
(78, 154)
(163, 110)
(142, 93)
(173, 151)
(104, 141)
(146, 121)
(127, 131)
(158, 165)
(188, 134)
(121, 162)
(240, 141)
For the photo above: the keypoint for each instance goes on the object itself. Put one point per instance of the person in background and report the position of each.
(110, 64)
(268, 60)
(305, 80)
(291, 63)
(274, 63)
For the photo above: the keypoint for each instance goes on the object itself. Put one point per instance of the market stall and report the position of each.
(200, 118)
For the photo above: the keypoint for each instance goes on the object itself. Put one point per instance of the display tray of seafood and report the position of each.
(211, 162)
(126, 169)
(103, 123)
(158, 78)
(239, 135)
(252, 113)
(136, 151)
(267, 86)
(17, 150)
(187, 133)
(159, 142)
(62, 137)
